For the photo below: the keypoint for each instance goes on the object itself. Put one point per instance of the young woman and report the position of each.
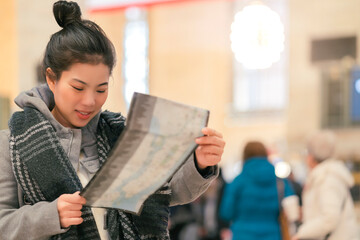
(60, 139)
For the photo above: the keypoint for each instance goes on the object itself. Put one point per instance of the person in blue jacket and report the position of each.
(251, 202)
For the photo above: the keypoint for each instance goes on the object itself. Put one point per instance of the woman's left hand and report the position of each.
(210, 149)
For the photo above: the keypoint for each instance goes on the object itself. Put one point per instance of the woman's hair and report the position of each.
(79, 41)
(254, 149)
(321, 145)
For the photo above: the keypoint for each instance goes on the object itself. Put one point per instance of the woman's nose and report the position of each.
(88, 99)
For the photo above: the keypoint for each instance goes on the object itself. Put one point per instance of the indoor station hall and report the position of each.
(281, 82)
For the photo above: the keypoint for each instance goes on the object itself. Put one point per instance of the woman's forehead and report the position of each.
(86, 73)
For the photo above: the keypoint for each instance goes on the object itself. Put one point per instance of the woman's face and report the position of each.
(79, 93)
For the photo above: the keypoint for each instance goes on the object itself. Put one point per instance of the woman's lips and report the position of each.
(83, 115)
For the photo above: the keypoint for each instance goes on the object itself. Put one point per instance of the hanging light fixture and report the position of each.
(257, 36)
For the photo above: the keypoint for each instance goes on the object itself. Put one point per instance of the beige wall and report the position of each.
(311, 20)
(191, 62)
(8, 49)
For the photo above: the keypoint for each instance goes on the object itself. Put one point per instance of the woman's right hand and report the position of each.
(69, 207)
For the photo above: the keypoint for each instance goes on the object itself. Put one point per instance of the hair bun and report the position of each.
(66, 13)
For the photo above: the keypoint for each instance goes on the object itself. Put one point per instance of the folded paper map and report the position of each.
(158, 138)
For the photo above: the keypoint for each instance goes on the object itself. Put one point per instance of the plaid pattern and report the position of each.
(44, 172)
(42, 167)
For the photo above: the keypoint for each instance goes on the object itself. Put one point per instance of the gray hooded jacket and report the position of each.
(41, 220)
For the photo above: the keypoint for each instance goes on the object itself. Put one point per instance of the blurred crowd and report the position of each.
(249, 206)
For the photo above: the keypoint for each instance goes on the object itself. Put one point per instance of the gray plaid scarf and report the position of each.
(44, 172)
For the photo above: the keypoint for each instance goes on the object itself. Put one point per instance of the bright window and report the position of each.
(136, 63)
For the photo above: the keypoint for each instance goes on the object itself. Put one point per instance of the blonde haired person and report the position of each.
(328, 209)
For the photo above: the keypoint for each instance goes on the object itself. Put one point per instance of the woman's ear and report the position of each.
(50, 78)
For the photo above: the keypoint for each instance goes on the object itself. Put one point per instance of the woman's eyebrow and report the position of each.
(103, 84)
(78, 80)
(82, 82)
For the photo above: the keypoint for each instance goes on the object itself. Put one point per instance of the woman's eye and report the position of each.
(101, 91)
(78, 89)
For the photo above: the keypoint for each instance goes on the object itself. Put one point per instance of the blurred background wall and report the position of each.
(8, 59)
(189, 59)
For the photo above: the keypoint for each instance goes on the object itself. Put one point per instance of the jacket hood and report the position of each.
(260, 170)
(334, 168)
(40, 98)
